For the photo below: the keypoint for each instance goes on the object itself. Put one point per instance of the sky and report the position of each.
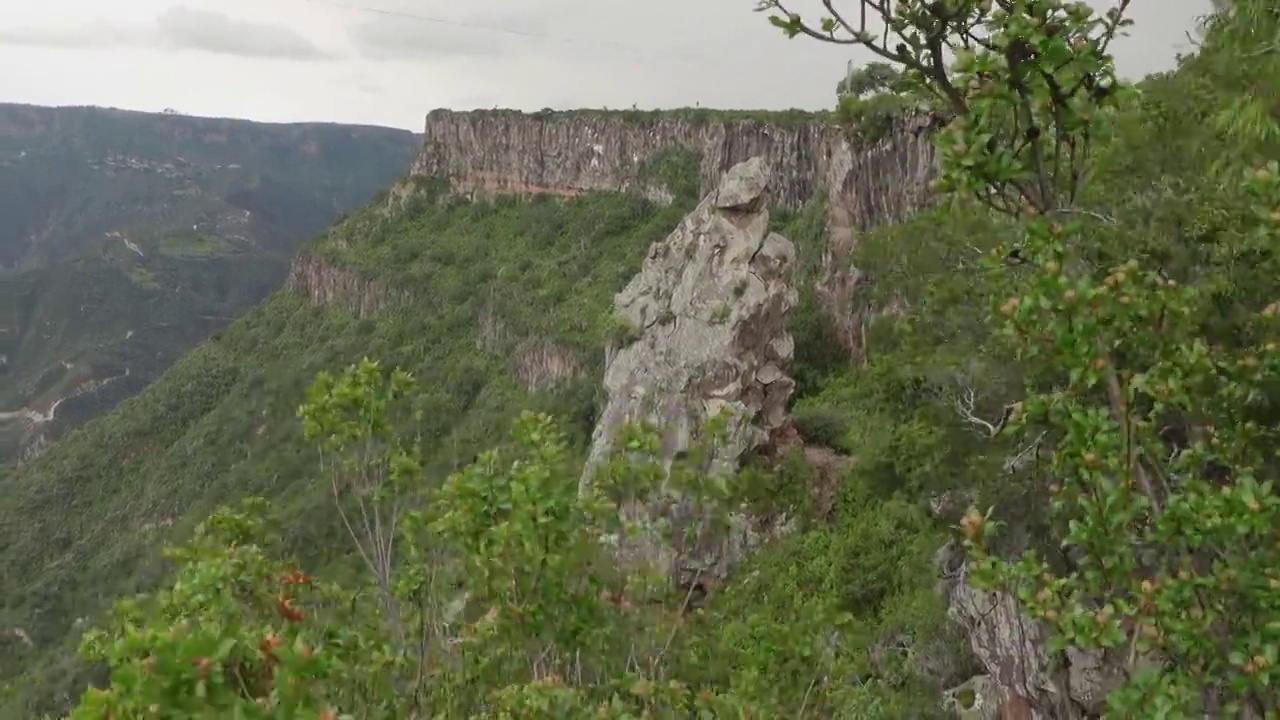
(388, 62)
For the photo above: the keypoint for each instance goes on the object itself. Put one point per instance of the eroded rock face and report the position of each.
(868, 183)
(709, 305)
(324, 283)
(1022, 679)
(540, 364)
(509, 152)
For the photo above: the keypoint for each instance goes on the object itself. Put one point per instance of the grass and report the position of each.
(143, 278)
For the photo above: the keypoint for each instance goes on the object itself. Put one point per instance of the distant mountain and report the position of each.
(127, 238)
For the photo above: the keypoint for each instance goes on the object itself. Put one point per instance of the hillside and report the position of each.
(127, 238)
(934, 356)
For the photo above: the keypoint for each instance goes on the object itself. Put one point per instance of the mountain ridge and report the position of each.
(128, 237)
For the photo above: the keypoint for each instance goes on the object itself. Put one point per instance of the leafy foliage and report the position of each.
(870, 97)
(1157, 404)
(512, 536)
(82, 522)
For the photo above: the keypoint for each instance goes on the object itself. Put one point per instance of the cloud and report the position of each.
(78, 35)
(658, 53)
(394, 35)
(179, 28)
(214, 32)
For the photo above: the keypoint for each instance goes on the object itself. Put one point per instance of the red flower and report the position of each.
(288, 611)
(296, 577)
(268, 646)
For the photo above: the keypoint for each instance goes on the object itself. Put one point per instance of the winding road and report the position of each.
(39, 418)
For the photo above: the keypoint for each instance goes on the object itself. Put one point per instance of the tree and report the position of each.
(354, 420)
(240, 634)
(1162, 431)
(870, 97)
(537, 620)
(1020, 95)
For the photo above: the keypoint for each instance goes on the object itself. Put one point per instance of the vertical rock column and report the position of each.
(709, 307)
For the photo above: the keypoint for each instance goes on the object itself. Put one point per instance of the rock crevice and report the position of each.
(1023, 679)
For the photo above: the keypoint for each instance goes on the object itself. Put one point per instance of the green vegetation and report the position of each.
(870, 97)
(144, 278)
(221, 422)
(677, 169)
(1118, 331)
(1148, 350)
(196, 246)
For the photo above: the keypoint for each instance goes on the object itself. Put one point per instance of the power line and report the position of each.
(649, 54)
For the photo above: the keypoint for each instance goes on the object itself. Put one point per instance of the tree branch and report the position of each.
(964, 406)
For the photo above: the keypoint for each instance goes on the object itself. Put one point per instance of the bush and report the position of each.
(826, 426)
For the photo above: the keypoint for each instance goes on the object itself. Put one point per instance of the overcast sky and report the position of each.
(371, 61)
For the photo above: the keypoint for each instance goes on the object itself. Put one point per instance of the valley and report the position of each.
(131, 237)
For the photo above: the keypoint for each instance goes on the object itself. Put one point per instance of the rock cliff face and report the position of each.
(484, 153)
(505, 151)
(324, 283)
(710, 305)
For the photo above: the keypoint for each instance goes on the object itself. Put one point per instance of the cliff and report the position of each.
(510, 152)
(662, 155)
(866, 183)
(323, 283)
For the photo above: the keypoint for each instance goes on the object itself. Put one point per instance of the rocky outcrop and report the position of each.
(1023, 680)
(539, 364)
(867, 183)
(709, 307)
(324, 283)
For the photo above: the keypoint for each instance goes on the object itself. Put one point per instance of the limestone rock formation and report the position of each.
(709, 307)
